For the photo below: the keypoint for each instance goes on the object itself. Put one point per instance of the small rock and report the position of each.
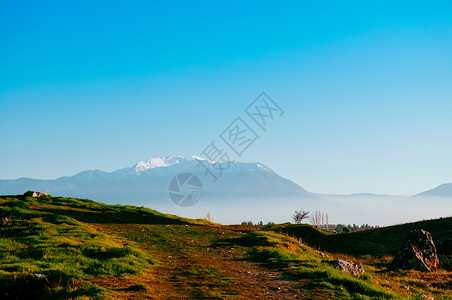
(35, 194)
(346, 266)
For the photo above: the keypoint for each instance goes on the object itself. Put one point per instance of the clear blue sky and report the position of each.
(366, 87)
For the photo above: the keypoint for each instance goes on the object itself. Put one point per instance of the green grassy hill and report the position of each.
(380, 241)
(66, 248)
(49, 246)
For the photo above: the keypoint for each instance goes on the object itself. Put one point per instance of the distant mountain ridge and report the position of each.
(444, 190)
(147, 181)
(245, 191)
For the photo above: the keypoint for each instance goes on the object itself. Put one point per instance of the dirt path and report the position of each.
(194, 265)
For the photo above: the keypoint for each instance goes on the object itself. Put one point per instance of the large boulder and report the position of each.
(346, 266)
(418, 253)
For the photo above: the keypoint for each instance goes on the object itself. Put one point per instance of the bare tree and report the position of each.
(209, 217)
(300, 215)
(313, 218)
(327, 225)
(319, 219)
(316, 218)
(323, 220)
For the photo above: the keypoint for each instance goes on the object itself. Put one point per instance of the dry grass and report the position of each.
(92, 250)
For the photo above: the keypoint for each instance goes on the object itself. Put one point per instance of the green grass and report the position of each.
(55, 247)
(283, 252)
(94, 212)
(380, 241)
(44, 253)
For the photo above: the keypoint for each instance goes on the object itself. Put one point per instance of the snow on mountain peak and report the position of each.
(190, 163)
(164, 161)
(262, 167)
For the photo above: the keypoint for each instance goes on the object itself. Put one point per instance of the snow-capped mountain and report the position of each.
(232, 192)
(165, 161)
(146, 182)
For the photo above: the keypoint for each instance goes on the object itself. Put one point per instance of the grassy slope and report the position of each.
(88, 249)
(45, 236)
(323, 281)
(380, 241)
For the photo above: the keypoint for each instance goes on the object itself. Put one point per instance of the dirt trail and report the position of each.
(193, 265)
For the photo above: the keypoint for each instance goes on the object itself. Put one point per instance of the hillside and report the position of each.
(54, 247)
(379, 241)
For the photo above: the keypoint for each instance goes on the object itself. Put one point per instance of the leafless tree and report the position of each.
(316, 218)
(327, 225)
(300, 215)
(323, 220)
(319, 219)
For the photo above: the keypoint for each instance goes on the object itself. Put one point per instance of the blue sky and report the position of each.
(365, 86)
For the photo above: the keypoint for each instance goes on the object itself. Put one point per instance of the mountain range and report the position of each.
(148, 181)
(232, 189)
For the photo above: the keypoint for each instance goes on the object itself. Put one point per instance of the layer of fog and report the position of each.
(372, 210)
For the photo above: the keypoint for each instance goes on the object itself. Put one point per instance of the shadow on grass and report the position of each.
(252, 239)
(114, 217)
(53, 286)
